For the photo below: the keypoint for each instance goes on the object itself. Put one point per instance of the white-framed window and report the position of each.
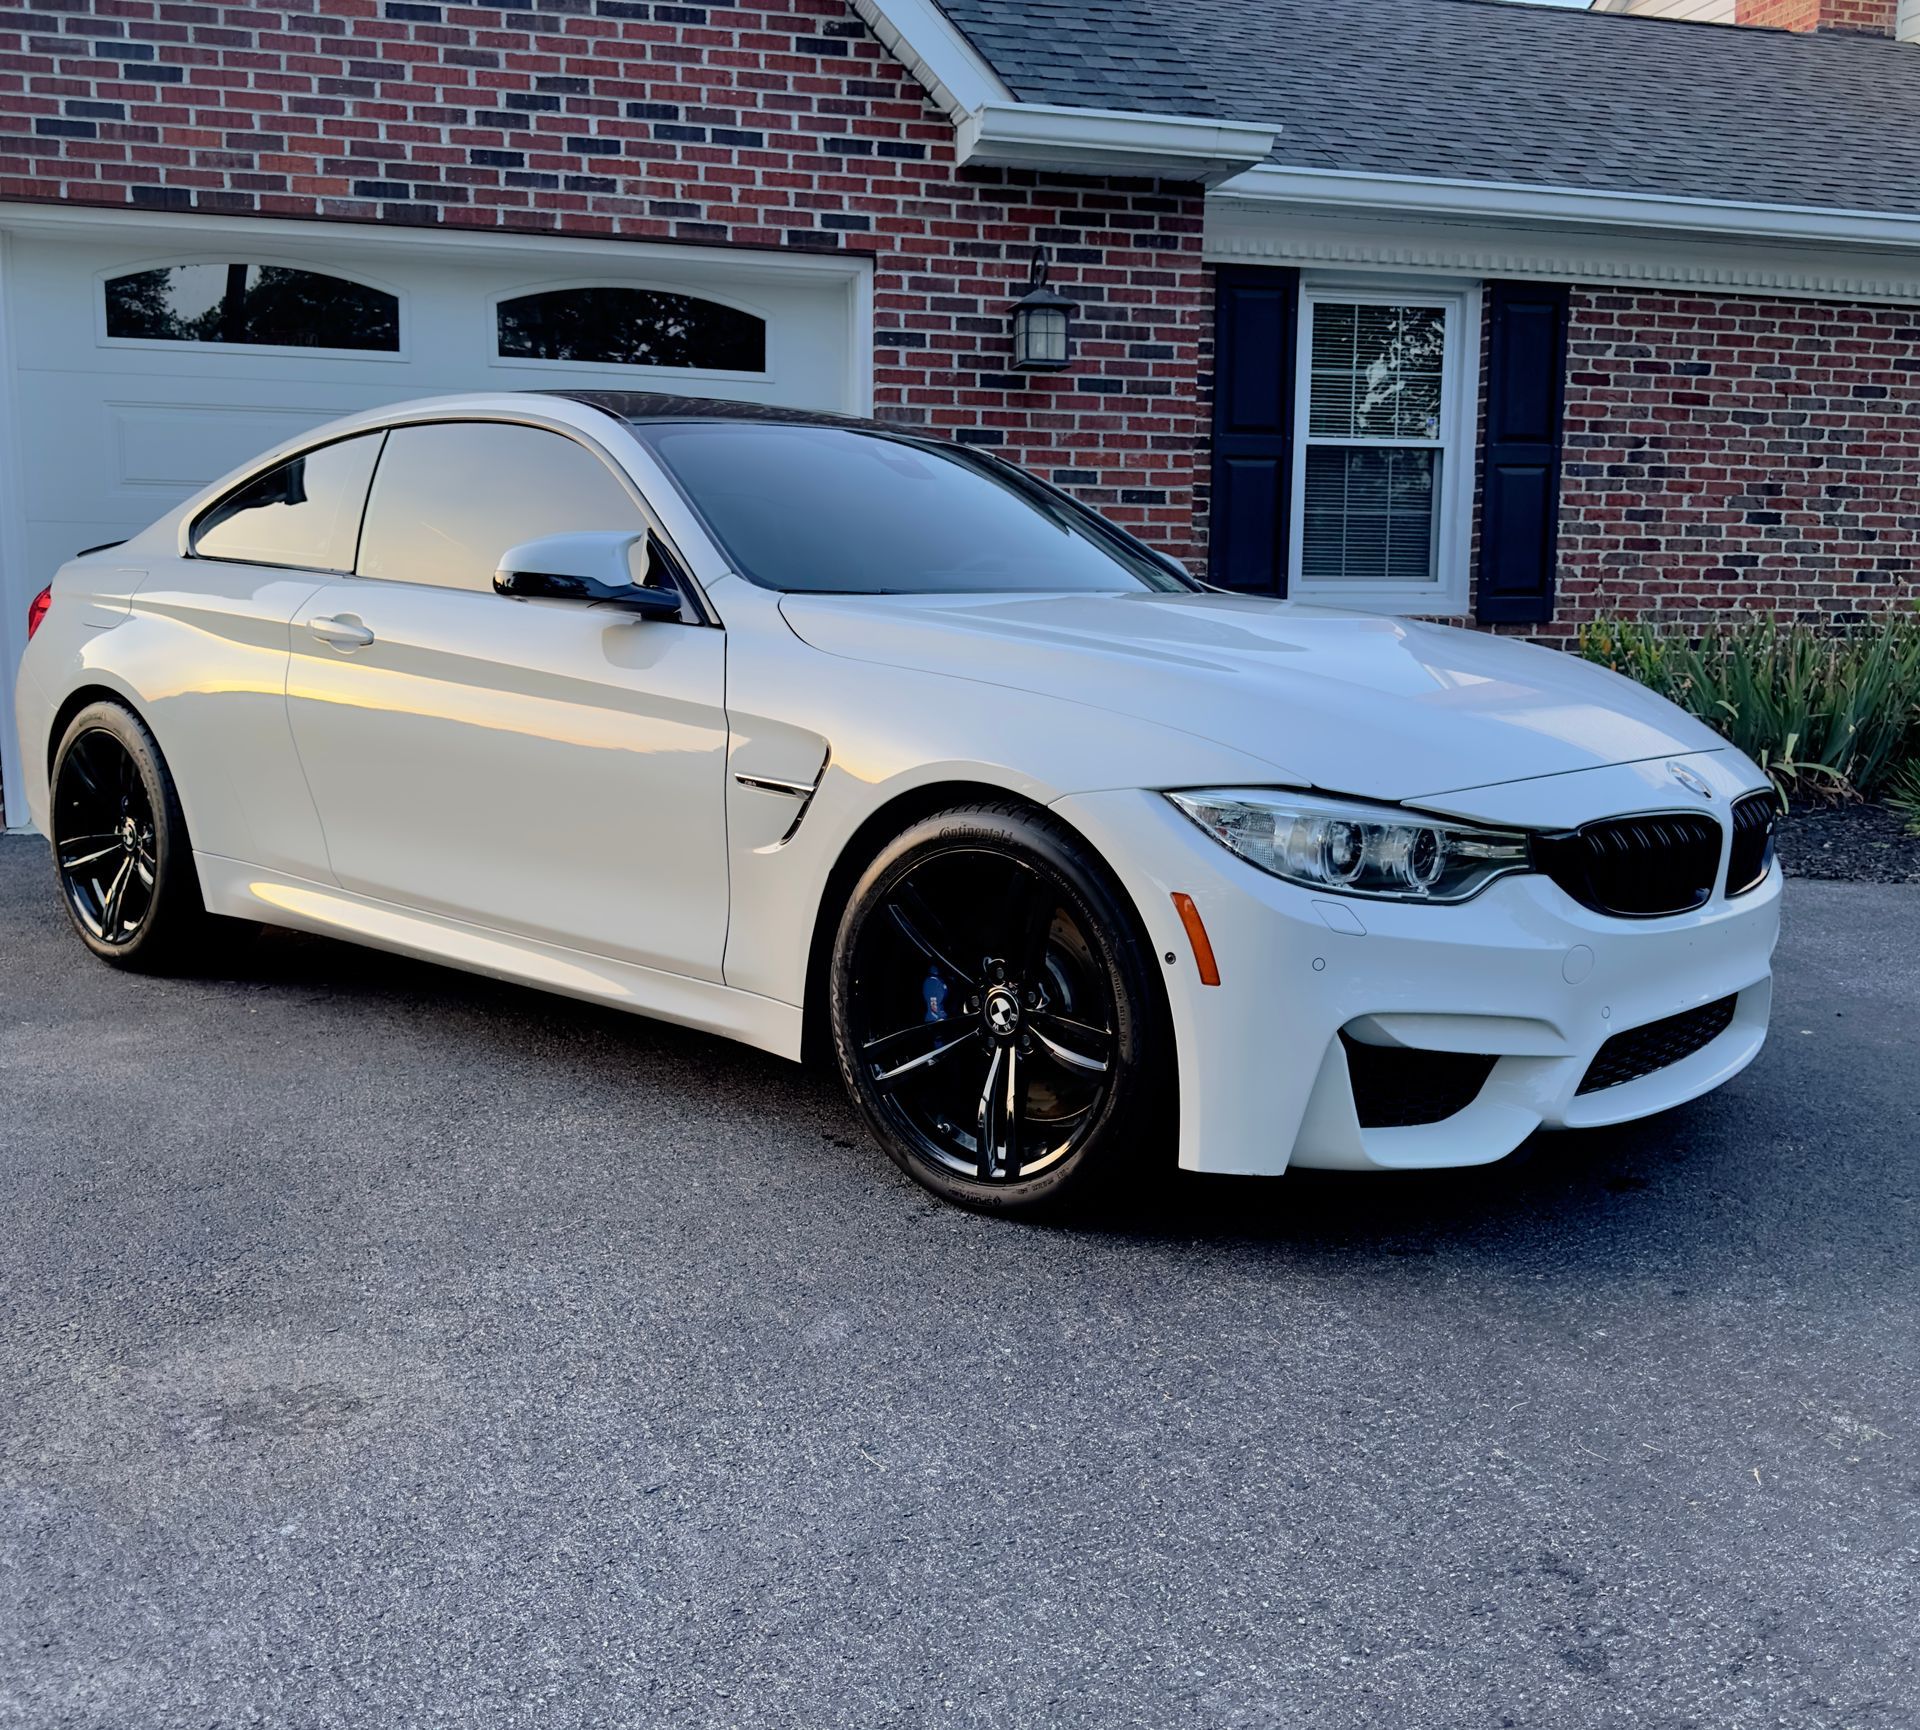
(263, 307)
(1384, 426)
(629, 324)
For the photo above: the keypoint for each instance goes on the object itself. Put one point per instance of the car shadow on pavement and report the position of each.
(1563, 1170)
(496, 1023)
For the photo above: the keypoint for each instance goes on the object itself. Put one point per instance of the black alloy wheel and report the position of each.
(994, 1011)
(120, 843)
(105, 839)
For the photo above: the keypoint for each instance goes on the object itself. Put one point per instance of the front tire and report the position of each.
(995, 1013)
(120, 847)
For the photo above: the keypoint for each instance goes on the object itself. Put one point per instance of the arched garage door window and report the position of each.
(632, 327)
(263, 305)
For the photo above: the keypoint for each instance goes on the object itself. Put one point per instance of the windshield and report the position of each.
(834, 510)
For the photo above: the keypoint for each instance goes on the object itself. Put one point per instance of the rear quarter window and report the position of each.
(304, 512)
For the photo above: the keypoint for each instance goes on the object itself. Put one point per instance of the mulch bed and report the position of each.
(1848, 844)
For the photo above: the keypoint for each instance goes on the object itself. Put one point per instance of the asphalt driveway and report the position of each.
(381, 1347)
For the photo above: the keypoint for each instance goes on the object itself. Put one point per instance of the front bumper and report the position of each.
(1522, 974)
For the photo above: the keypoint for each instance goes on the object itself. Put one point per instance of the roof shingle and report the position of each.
(1481, 90)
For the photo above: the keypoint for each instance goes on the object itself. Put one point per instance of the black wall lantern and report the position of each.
(1042, 323)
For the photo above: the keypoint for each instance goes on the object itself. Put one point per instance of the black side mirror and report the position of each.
(596, 566)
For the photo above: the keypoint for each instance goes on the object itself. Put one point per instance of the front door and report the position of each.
(546, 768)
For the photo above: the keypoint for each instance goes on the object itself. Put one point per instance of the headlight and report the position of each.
(1355, 849)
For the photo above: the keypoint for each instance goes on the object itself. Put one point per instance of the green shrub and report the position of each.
(1903, 794)
(1833, 715)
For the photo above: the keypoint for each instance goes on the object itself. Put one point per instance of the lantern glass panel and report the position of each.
(1042, 336)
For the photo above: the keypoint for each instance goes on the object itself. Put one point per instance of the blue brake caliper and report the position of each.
(934, 990)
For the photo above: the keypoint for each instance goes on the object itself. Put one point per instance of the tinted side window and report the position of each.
(451, 498)
(305, 512)
(836, 510)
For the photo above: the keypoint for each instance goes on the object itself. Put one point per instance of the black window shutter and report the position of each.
(1257, 312)
(1520, 498)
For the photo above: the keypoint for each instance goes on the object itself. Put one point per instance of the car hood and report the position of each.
(1348, 702)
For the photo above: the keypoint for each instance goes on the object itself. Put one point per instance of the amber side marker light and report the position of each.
(1197, 936)
(37, 610)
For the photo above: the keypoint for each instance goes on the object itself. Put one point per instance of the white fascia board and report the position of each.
(1348, 192)
(927, 42)
(996, 129)
(1673, 260)
(1109, 141)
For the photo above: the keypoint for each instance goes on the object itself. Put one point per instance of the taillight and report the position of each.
(37, 610)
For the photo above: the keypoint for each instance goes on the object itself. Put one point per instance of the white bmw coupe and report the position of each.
(790, 727)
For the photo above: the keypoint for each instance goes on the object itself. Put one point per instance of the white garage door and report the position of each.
(148, 357)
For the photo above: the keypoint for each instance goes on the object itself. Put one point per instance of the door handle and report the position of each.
(343, 631)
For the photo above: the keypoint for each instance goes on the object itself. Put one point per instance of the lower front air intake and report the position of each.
(1658, 1045)
(1395, 1087)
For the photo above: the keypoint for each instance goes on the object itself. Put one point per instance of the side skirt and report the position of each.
(239, 891)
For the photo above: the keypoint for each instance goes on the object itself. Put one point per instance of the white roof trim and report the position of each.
(927, 42)
(1104, 141)
(1348, 192)
(995, 128)
(1239, 231)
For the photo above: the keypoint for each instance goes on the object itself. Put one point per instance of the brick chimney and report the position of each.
(1865, 17)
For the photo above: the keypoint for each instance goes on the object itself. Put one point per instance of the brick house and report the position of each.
(1443, 306)
(1868, 15)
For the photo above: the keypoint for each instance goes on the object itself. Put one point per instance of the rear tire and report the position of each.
(996, 1015)
(120, 848)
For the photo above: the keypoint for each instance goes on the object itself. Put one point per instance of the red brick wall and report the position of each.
(780, 124)
(1722, 451)
(1873, 16)
(1725, 452)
